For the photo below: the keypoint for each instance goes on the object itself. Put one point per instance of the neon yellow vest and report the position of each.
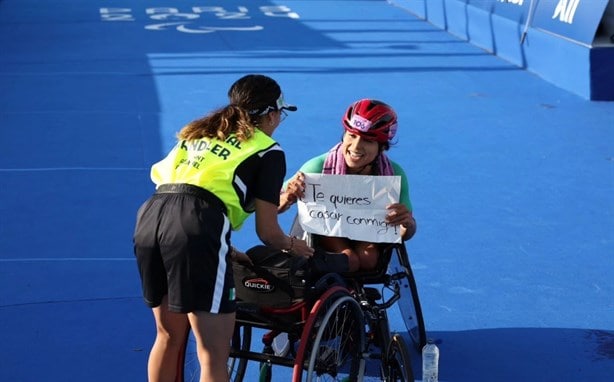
(211, 164)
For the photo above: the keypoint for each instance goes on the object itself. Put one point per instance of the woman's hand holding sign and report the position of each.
(399, 214)
(294, 190)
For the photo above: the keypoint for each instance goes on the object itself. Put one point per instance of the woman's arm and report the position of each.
(402, 213)
(271, 234)
(408, 230)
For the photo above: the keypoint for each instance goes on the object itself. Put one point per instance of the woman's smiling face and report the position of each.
(358, 151)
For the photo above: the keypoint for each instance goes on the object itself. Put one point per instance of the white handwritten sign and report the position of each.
(352, 206)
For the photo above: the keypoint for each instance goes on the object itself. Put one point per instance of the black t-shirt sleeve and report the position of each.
(262, 175)
(271, 176)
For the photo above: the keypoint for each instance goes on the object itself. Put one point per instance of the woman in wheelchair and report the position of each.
(369, 129)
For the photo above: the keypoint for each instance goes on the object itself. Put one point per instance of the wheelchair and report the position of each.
(333, 332)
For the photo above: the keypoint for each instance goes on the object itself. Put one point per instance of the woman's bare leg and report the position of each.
(213, 334)
(340, 245)
(171, 329)
(368, 253)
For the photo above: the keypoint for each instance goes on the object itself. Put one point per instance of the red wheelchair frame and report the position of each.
(332, 336)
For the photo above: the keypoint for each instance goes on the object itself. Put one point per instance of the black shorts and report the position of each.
(182, 247)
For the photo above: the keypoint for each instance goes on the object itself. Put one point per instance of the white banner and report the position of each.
(352, 206)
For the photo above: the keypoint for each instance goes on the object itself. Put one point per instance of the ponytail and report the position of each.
(220, 124)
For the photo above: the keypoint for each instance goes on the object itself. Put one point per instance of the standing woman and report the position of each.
(224, 167)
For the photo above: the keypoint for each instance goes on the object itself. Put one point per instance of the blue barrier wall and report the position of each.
(566, 42)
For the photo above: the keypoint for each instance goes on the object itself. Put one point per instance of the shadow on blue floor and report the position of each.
(525, 354)
(510, 355)
(511, 178)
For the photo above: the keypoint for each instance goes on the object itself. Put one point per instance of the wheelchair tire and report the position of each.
(409, 304)
(332, 341)
(241, 340)
(189, 367)
(396, 365)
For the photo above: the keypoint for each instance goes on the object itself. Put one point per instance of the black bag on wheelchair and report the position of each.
(278, 279)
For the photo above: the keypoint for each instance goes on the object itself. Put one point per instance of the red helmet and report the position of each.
(371, 119)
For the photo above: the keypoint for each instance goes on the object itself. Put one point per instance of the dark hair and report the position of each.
(255, 93)
(249, 97)
(382, 146)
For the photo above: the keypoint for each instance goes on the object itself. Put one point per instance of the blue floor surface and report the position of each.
(512, 178)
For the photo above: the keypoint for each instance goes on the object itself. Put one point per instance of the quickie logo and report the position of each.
(566, 10)
(259, 285)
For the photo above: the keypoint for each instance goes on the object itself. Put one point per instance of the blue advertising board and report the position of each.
(516, 10)
(574, 19)
(568, 42)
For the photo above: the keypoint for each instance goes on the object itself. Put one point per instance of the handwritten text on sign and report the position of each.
(352, 206)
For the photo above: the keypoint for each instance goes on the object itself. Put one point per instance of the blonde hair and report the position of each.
(220, 124)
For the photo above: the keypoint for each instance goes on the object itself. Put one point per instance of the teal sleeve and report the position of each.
(404, 198)
(314, 165)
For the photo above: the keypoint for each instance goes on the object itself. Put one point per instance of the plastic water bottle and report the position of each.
(430, 363)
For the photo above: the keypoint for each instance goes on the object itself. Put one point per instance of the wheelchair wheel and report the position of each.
(396, 365)
(409, 303)
(332, 341)
(241, 340)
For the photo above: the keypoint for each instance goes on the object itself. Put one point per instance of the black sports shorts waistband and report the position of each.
(199, 192)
